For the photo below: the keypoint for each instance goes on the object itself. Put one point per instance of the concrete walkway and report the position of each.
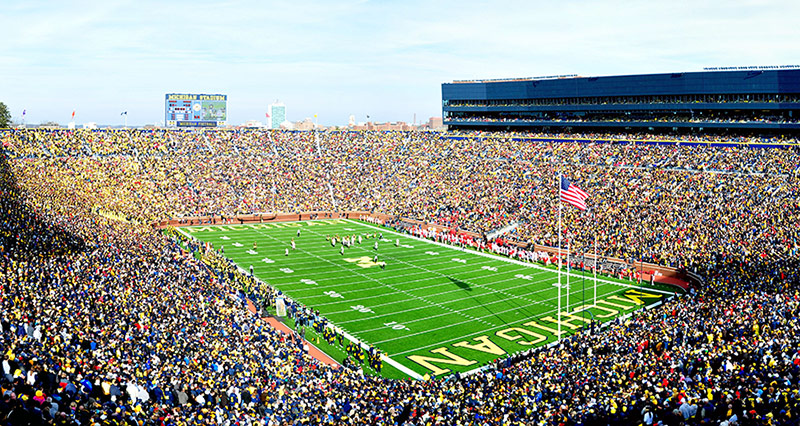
(312, 350)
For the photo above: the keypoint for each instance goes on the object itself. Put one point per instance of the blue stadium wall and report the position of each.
(756, 82)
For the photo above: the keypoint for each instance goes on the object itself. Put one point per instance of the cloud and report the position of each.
(382, 58)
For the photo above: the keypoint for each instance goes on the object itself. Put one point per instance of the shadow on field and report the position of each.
(461, 284)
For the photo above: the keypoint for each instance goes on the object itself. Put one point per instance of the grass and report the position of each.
(434, 308)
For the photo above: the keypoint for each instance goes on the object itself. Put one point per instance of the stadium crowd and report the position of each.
(657, 117)
(88, 336)
(630, 100)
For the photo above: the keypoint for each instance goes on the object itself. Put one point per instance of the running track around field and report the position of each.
(312, 350)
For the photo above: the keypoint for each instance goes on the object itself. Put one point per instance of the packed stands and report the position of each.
(89, 337)
(756, 102)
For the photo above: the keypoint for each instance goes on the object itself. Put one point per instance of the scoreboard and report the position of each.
(188, 110)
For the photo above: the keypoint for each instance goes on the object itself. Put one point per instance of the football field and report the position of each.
(433, 308)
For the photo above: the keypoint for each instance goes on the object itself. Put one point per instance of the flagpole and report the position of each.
(569, 240)
(583, 281)
(596, 264)
(558, 198)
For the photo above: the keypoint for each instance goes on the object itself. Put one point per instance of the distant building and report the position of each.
(277, 115)
(352, 121)
(306, 124)
(254, 124)
(396, 126)
(435, 123)
(399, 125)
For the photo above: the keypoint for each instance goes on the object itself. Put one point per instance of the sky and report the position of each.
(383, 59)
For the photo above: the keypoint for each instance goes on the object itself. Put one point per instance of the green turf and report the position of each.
(432, 300)
(338, 352)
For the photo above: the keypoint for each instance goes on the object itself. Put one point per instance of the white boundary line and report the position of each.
(505, 259)
(411, 373)
(401, 367)
(544, 302)
(379, 282)
(454, 311)
(456, 268)
(545, 288)
(249, 256)
(439, 284)
(458, 311)
(388, 360)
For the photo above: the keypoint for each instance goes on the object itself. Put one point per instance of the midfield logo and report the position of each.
(363, 261)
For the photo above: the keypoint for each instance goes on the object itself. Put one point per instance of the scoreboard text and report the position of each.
(195, 110)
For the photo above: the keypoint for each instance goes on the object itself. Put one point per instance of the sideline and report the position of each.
(396, 364)
(314, 351)
(348, 336)
(411, 373)
(504, 259)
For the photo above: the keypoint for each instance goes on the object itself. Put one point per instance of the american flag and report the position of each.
(571, 194)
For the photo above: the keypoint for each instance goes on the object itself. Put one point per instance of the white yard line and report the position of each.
(505, 259)
(430, 304)
(532, 301)
(458, 268)
(397, 290)
(260, 256)
(424, 307)
(491, 290)
(411, 373)
(442, 284)
(276, 279)
(525, 284)
(455, 311)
